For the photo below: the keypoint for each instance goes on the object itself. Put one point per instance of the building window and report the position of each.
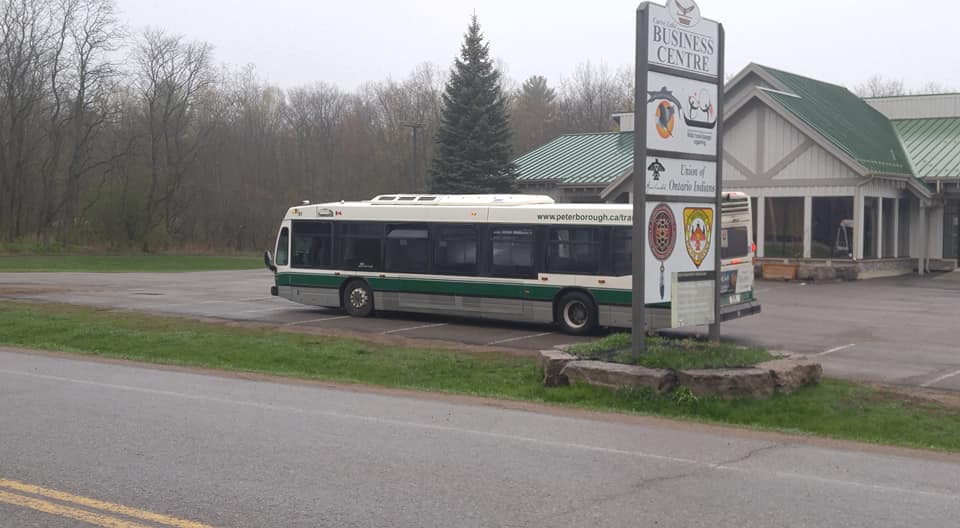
(870, 231)
(889, 224)
(783, 227)
(573, 250)
(832, 227)
(512, 249)
(951, 229)
(407, 248)
(903, 250)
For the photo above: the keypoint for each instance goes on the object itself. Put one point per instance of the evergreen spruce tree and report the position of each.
(473, 142)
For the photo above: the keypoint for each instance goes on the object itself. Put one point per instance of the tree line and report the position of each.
(140, 140)
(121, 140)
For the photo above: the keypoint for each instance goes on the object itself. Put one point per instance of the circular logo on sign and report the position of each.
(684, 12)
(665, 115)
(662, 232)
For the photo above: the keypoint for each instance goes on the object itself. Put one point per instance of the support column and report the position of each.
(761, 227)
(807, 225)
(879, 244)
(896, 227)
(924, 222)
(858, 225)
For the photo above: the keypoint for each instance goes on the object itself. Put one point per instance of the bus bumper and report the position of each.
(736, 311)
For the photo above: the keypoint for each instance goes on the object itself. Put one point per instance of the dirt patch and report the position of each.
(14, 290)
(921, 395)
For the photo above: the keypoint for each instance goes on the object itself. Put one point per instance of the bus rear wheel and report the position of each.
(577, 313)
(358, 299)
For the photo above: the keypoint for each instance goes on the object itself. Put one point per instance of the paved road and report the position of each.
(899, 331)
(217, 451)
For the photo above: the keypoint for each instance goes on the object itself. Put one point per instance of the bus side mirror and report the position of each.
(268, 261)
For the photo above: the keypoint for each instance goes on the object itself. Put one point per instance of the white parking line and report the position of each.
(512, 339)
(835, 349)
(308, 321)
(414, 328)
(941, 378)
(257, 310)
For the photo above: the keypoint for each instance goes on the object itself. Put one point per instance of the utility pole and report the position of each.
(413, 158)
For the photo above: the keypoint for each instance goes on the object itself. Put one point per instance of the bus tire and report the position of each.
(358, 298)
(577, 313)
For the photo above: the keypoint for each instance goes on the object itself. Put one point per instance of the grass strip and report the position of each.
(675, 354)
(127, 263)
(835, 409)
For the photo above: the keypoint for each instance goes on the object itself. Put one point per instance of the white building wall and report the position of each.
(780, 139)
(917, 106)
(740, 144)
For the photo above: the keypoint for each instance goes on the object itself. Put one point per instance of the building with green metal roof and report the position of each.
(834, 177)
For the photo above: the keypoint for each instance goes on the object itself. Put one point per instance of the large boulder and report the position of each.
(728, 383)
(792, 373)
(618, 376)
(552, 363)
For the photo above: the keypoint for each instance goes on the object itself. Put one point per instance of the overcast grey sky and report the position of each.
(348, 42)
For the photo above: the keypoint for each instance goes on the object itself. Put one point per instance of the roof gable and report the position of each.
(844, 119)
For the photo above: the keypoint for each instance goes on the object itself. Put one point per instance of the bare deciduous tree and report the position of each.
(171, 79)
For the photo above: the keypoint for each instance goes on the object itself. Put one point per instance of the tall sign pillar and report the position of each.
(677, 166)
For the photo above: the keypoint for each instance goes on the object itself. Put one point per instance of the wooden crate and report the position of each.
(779, 271)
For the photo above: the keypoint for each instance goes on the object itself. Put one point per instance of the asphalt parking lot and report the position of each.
(901, 330)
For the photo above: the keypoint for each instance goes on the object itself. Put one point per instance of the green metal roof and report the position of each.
(933, 145)
(845, 120)
(842, 118)
(579, 159)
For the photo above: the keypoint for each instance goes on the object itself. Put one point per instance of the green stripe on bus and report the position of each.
(309, 279)
(454, 287)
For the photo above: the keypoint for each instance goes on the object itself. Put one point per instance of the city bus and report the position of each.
(508, 257)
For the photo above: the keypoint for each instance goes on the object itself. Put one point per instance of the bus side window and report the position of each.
(359, 245)
(512, 252)
(283, 244)
(621, 243)
(407, 248)
(456, 250)
(573, 250)
(311, 244)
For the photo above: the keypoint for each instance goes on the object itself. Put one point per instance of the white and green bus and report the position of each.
(508, 257)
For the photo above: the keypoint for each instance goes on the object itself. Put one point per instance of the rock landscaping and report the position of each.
(763, 380)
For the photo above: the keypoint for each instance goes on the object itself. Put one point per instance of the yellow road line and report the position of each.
(100, 505)
(96, 519)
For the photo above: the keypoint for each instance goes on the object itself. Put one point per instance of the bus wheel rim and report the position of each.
(575, 314)
(358, 297)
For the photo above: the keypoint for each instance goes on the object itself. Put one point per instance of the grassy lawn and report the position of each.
(835, 408)
(672, 353)
(128, 263)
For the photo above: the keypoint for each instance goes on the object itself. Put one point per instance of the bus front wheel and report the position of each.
(577, 313)
(358, 299)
